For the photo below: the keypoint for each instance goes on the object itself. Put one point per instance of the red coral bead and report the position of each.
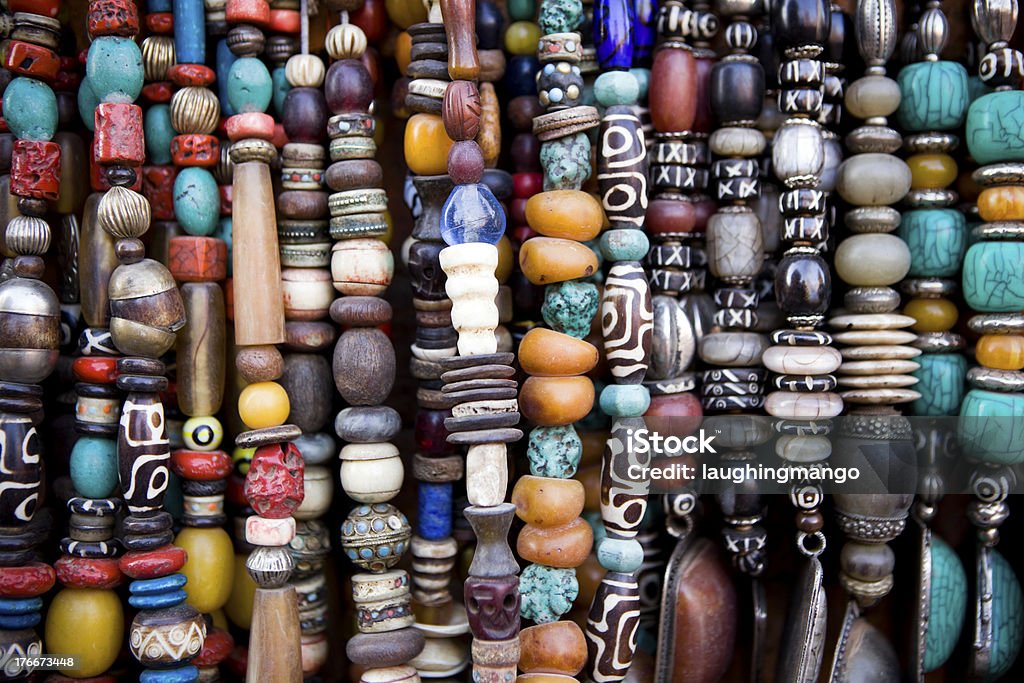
(197, 259)
(274, 484)
(47, 8)
(150, 564)
(119, 138)
(248, 12)
(113, 18)
(26, 59)
(88, 572)
(195, 149)
(158, 187)
(284, 20)
(250, 125)
(183, 75)
(158, 93)
(35, 169)
(216, 648)
(161, 23)
(201, 465)
(27, 581)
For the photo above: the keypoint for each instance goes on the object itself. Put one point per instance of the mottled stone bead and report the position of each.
(873, 179)
(547, 502)
(544, 352)
(934, 96)
(871, 260)
(936, 238)
(568, 214)
(93, 466)
(1001, 203)
(803, 406)
(554, 451)
(546, 260)
(114, 69)
(624, 245)
(994, 124)
(566, 162)
(802, 360)
(196, 201)
(547, 592)
(940, 384)
(625, 400)
(992, 279)
(671, 114)
(30, 109)
(551, 401)
(570, 307)
(988, 428)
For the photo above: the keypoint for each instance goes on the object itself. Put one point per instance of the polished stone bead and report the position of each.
(466, 162)
(552, 401)
(940, 383)
(562, 546)
(802, 360)
(803, 284)
(803, 406)
(1001, 203)
(934, 96)
(989, 428)
(936, 238)
(208, 568)
(114, 69)
(558, 647)
(94, 466)
(426, 145)
(570, 307)
(932, 315)
(472, 214)
(305, 115)
(547, 353)
(521, 37)
(624, 245)
(737, 90)
(250, 87)
(992, 277)
(554, 451)
(994, 124)
(931, 171)
(873, 179)
(796, 23)
(732, 349)
(547, 502)
(616, 88)
(871, 260)
(870, 96)
(196, 201)
(569, 214)
(30, 109)
(546, 260)
(947, 604)
(1001, 351)
(263, 404)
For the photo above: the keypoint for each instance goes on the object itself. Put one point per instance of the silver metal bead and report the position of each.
(875, 26)
(932, 31)
(939, 342)
(270, 566)
(930, 142)
(996, 380)
(1005, 173)
(1003, 230)
(28, 235)
(994, 20)
(997, 323)
(928, 288)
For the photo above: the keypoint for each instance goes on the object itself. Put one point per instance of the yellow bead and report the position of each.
(932, 315)
(405, 13)
(426, 145)
(87, 623)
(243, 590)
(263, 404)
(931, 171)
(1001, 351)
(522, 37)
(403, 51)
(1001, 203)
(506, 259)
(218, 617)
(208, 569)
(242, 458)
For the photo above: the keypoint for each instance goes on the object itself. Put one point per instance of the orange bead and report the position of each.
(563, 546)
(403, 51)
(552, 401)
(248, 12)
(932, 315)
(427, 145)
(548, 502)
(1001, 203)
(1001, 351)
(250, 125)
(284, 20)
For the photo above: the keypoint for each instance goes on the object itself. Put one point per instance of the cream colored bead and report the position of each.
(308, 293)
(371, 472)
(362, 267)
(737, 142)
(305, 71)
(269, 532)
(486, 474)
(318, 487)
(346, 41)
(472, 288)
(123, 213)
(195, 110)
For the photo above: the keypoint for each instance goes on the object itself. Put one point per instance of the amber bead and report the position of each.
(548, 502)
(570, 214)
(1001, 351)
(563, 546)
(548, 353)
(546, 260)
(557, 648)
(932, 315)
(551, 401)
(1001, 203)
(931, 171)
(426, 145)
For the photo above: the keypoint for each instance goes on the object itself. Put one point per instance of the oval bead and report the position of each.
(563, 547)
(993, 280)
(472, 214)
(87, 623)
(250, 87)
(426, 145)
(1001, 351)
(547, 260)
(114, 69)
(548, 502)
(873, 179)
(553, 401)
(947, 604)
(994, 122)
(557, 647)
(30, 109)
(208, 568)
(870, 96)
(616, 87)
(931, 171)
(548, 353)
(196, 201)
(932, 315)
(871, 260)
(669, 113)
(1001, 203)
(798, 151)
(803, 284)
(936, 238)
(933, 96)
(94, 466)
(158, 132)
(569, 214)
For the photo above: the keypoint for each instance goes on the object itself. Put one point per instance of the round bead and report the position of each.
(546, 502)
(1001, 351)
(872, 96)
(931, 171)
(361, 267)
(465, 162)
(558, 647)
(263, 404)
(202, 433)
(616, 87)
(564, 546)
(521, 37)
(551, 401)
(1001, 203)
(345, 41)
(30, 109)
(89, 623)
(871, 260)
(932, 315)
(873, 179)
(208, 568)
(348, 87)
(375, 536)
(114, 69)
(94, 466)
(625, 400)
(196, 201)
(250, 87)
(372, 472)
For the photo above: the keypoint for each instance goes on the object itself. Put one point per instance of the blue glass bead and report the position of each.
(645, 31)
(566, 162)
(624, 245)
(560, 16)
(196, 201)
(250, 87)
(995, 127)
(947, 601)
(17, 622)
(158, 585)
(159, 132)
(570, 306)
(225, 58)
(990, 428)
(941, 384)
(613, 33)
(472, 214)
(993, 280)
(30, 109)
(937, 239)
(616, 87)
(87, 103)
(184, 674)
(547, 592)
(620, 554)
(625, 400)
(1007, 625)
(114, 69)
(554, 451)
(158, 600)
(933, 96)
(520, 76)
(189, 32)
(434, 520)
(281, 87)
(11, 606)
(93, 466)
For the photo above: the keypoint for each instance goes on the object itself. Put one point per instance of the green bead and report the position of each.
(569, 307)
(616, 87)
(566, 162)
(993, 280)
(990, 428)
(947, 604)
(994, 127)
(625, 245)
(250, 87)
(937, 239)
(620, 554)
(114, 68)
(625, 400)
(159, 132)
(87, 103)
(1007, 626)
(30, 109)
(560, 16)
(281, 88)
(196, 201)
(941, 384)
(93, 466)
(521, 10)
(546, 592)
(643, 79)
(554, 451)
(933, 96)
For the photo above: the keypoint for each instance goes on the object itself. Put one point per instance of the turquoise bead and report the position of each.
(941, 384)
(993, 280)
(995, 127)
(976, 88)
(223, 232)
(547, 592)
(625, 400)
(934, 96)
(643, 80)
(1007, 625)
(159, 132)
(616, 87)
(93, 466)
(620, 554)
(250, 87)
(947, 601)
(196, 201)
(554, 451)
(114, 68)
(87, 103)
(566, 162)
(625, 245)
(593, 518)
(30, 109)
(569, 307)
(990, 428)
(281, 88)
(560, 16)
(521, 10)
(937, 239)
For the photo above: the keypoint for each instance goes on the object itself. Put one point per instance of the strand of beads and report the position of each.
(993, 285)
(627, 324)
(274, 482)
(30, 324)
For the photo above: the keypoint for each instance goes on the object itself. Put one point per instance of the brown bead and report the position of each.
(354, 174)
(259, 363)
(360, 311)
(547, 353)
(302, 204)
(201, 349)
(547, 502)
(563, 546)
(547, 260)
(489, 137)
(308, 336)
(555, 648)
(669, 112)
(461, 110)
(465, 162)
(364, 366)
(523, 110)
(552, 401)
(670, 217)
(459, 24)
(307, 379)
(97, 261)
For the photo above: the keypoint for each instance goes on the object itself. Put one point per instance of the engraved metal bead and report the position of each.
(994, 20)
(195, 110)
(932, 31)
(252, 149)
(875, 27)
(123, 213)
(28, 235)
(157, 57)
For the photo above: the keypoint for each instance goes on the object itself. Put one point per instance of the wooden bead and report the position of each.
(493, 607)
(275, 619)
(461, 110)
(548, 502)
(259, 363)
(547, 260)
(306, 379)
(489, 137)
(552, 401)
(564, 546)
(459, 20)
(547, 353)
(201, 349)
(364, 366)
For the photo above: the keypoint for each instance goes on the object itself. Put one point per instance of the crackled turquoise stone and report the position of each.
(554, 451)
(250, 87)
(947, 601)
(87, 102)
(30, 109)
(937, 239)
(93, 466)
(547, 592)
(570, 306)
(990, 426)
(993, 279)
(196, 201)
(159, 132)
(995, 127)
(933, 96)
(625, 400)
(941, 384)
(1007, 617)
(566, 162)
(560, 16)
(624, 245)
(114, 69)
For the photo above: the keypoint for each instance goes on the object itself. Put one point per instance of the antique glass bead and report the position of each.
(931, 171)
(932, 315)
(202, 433)
(472, 214)
(521, 37)
(1001, 351)
(263, 404)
